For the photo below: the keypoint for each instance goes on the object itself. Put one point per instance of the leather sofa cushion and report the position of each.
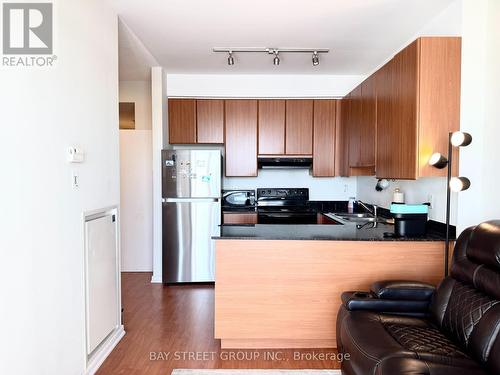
(371, 338)
(425, 339)
(413, 366)
(465, 309)
(484, 247)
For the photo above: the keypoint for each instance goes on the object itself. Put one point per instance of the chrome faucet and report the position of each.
(373, 211)
(370, 210)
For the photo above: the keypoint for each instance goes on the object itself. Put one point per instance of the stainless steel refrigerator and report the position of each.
(191, 214)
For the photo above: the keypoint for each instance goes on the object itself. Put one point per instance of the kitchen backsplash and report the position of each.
(320, 188)
(416, 191)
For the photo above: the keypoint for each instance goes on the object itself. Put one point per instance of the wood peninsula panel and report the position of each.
(325, 119)
(299, 127)
(210, 120)
(182, 121)
(288, 292)
(241, 138)
(272, 127)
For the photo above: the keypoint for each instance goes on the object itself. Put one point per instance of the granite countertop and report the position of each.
(346, 232)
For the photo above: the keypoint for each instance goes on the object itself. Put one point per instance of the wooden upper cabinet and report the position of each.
(241, 138)
(342, 137)
(368, 123)
(210, 121)
(182, 121)
(271, 127)
(397, 116)
(439, 100)
(325, 119)
(418, 100)
(355, 144)
(299, 127)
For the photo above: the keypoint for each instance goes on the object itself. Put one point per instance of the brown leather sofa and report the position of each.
(411, 328)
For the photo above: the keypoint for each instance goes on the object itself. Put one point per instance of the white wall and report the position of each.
(138, 92)
(159, 142)
(136, 184)
(41, 241)
(320, 188)
(480, 112)
(260, 85)
(136, 201)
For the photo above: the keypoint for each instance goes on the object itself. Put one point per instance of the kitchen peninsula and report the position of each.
(279, 286)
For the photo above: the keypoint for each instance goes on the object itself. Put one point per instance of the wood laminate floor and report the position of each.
(172, 327)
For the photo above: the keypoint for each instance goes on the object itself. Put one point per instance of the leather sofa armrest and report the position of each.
(403, 290)
(367, 301)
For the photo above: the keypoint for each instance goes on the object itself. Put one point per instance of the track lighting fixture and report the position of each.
(230, 58)
(272, 51)
(276, 60)
(315, 58)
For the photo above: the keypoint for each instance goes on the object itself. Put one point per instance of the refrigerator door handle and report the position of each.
(180, 200)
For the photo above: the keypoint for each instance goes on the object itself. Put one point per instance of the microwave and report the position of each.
(238, 199)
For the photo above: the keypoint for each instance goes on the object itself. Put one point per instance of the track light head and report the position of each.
(276, 60)
(315, 58)
(230, 59)
(438, 161)
(461, 139)
(459, 184)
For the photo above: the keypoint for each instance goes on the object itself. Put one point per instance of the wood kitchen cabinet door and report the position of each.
(210, 121)
(325, 118)
(439, 100)
(182, 121)
(368, 123)
(355, 144)
(241, 138)
(342, 137)
(397, 116)
(299, 127)
(418, 105)
(271, 127)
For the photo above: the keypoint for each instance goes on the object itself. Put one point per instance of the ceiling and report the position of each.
(361, 34)
(134, 59)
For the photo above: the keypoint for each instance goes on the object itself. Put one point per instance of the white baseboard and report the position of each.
(102, 352)
(156, 279)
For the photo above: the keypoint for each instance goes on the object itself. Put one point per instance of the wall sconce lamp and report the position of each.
(455, 184)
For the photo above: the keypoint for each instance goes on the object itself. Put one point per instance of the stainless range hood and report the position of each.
(284, 162)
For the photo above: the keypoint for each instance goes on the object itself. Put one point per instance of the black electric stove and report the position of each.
(285, 206)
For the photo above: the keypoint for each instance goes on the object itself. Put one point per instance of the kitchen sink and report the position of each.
(352, 217)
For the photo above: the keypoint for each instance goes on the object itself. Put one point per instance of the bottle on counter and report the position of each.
(350, 205)
(399, 196)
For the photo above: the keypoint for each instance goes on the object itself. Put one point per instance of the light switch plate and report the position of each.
(75, 155)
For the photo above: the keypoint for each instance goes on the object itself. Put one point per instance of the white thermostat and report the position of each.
(75, 155)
